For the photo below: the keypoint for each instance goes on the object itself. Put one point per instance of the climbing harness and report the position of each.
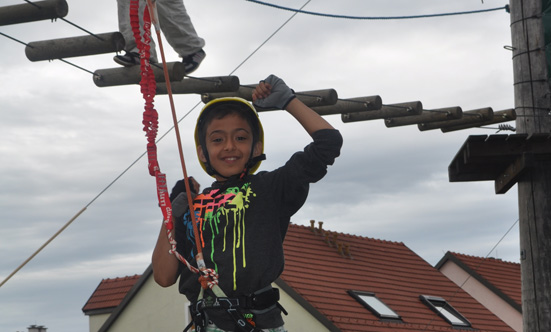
(259, 302)
(208, 278)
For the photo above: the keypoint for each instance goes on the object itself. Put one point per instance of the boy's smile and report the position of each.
(229, 142)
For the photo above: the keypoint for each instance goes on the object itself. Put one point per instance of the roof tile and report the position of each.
(110, 293)
(318, 272)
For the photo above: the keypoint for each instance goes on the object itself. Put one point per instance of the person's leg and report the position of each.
(132, 53)
(177, 27)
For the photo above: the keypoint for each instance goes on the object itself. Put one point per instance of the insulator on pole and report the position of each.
(386, 111)
(35, 11)
(201, 85)
(433, 115)
(110, 42)
(132, 75)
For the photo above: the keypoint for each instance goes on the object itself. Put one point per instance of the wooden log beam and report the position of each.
(469, 117)
(201, 85)
(386, 111)
(311, 98)
(351, 105)
(36, 11)
(132, 75)
(499, 117)
(75, 46)
(434, 115)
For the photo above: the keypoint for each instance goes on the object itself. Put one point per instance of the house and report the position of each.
(332, 282)
(493, 282)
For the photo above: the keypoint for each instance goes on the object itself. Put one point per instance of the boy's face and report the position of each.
(229, 143)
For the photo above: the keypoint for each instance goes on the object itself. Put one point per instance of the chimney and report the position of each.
(37, 328)
(312, 227)
(320, 223)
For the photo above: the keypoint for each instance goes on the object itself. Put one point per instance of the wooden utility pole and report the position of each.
(533, 108)
(523, 158)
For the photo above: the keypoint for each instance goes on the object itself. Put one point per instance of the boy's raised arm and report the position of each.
(273, 93)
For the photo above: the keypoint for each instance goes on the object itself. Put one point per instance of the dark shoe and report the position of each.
(128, 60)
(192, 61)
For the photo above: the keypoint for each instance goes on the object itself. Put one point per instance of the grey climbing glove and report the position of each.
(280, 95)
(180, 204)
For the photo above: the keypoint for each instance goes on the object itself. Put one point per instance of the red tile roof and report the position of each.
(319, 272)
(321, 275)
(505, 276)
(110, 293)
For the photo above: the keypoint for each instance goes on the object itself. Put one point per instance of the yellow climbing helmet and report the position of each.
(229, 105)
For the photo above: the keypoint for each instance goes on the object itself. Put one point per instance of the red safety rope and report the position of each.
(209, 278)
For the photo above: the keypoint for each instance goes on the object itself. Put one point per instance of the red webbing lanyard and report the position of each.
(150, 123)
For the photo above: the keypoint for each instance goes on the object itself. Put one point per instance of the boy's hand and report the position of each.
(180, 205)
(180, 187)
(272, 93)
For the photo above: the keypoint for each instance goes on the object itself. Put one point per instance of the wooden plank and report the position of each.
(499, 117)
(386, 111)
(469, 117)
(110, 42)
(131, 75)
(426, 116)
(358, 104)
(31, 12)
(509, 177)
(201, 85)
(312, 98)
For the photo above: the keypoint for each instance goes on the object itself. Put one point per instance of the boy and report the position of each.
(243, 217)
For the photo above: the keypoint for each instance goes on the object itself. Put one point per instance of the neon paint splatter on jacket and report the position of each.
(224, 215)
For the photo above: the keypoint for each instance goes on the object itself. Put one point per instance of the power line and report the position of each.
(506, 7)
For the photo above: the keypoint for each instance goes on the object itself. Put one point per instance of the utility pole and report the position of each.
(533, 108)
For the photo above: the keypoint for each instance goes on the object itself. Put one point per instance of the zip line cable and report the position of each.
(506, 7)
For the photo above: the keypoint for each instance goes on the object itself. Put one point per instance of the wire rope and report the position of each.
(506, 7)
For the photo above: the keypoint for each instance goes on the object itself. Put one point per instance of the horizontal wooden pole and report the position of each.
(440, 114)
(386, 111)
(350, 105)
(75, 46)
(201, 85)
(309, 98)
(469, 117)
(35, 11)
(132, 75)
(499, 117)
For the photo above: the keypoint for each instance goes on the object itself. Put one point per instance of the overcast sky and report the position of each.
(63, 140)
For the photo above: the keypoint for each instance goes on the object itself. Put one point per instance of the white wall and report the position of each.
(486, 297)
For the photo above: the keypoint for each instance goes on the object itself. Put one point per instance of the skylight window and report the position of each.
(445, 310)
(374, 304)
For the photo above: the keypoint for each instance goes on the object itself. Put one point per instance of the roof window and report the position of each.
(374, 304)
(445, 310)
